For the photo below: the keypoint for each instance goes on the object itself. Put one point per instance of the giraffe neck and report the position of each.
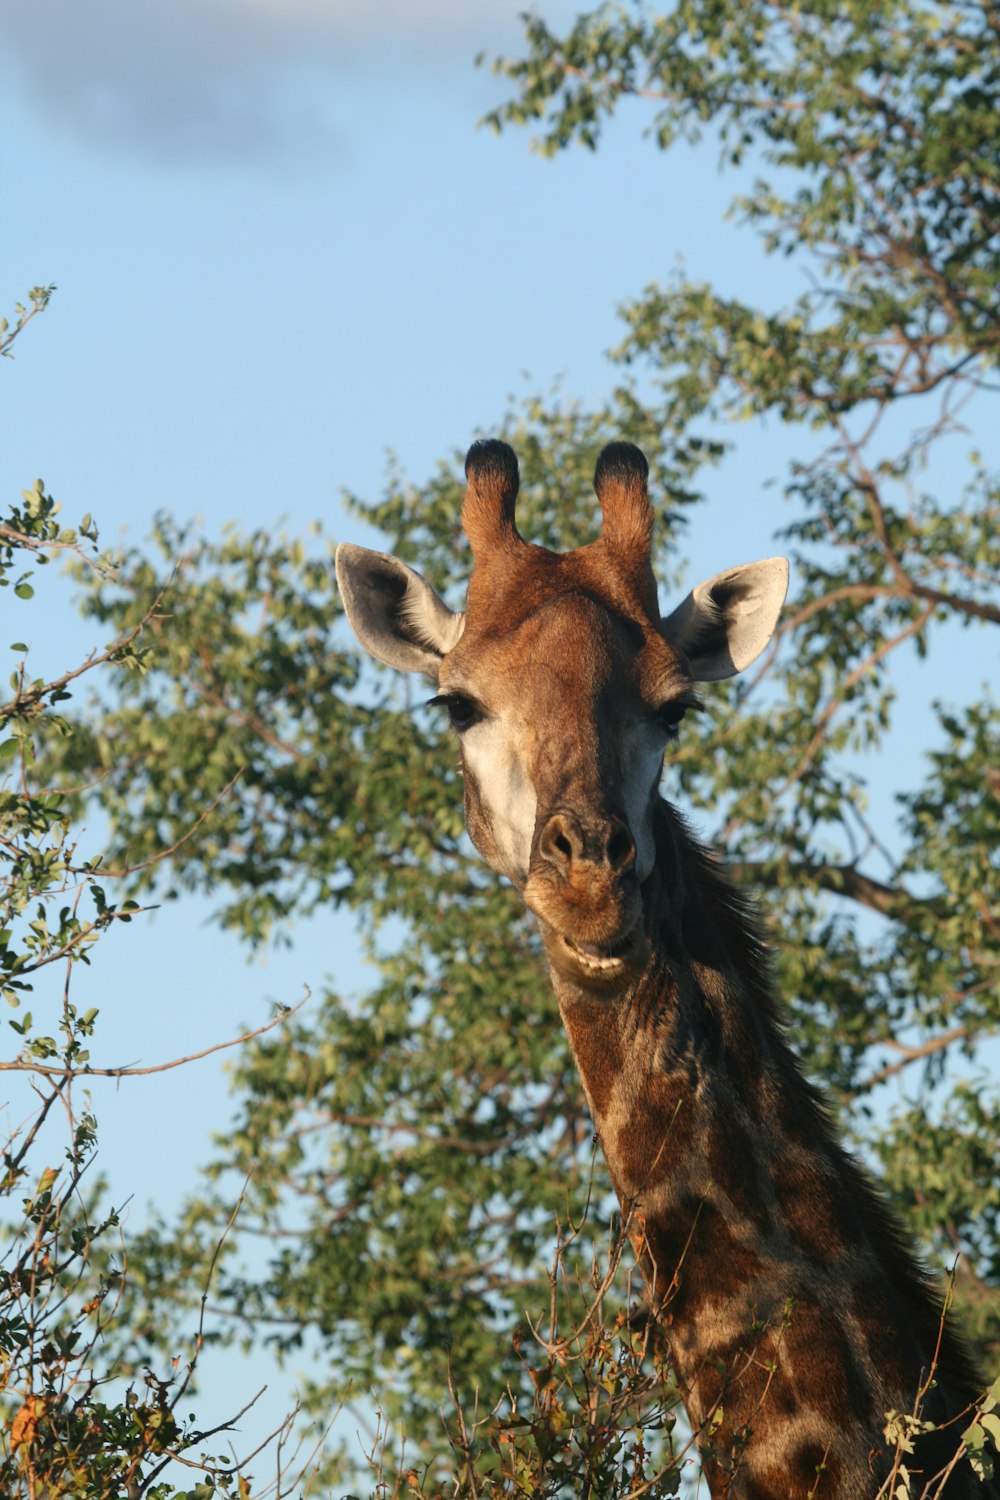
(796, 1318)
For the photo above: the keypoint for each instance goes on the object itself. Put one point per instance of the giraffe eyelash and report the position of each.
(463, 712)
(669, 715)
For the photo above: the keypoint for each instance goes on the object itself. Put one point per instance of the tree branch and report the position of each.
(34, 694)
(911, 1055)
(838, 700)
(891, 901)
(15, 538)
(129, 1071)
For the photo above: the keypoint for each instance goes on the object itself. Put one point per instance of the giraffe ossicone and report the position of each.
(796, 1314)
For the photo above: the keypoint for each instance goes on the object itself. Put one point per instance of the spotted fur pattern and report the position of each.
(796, 1316)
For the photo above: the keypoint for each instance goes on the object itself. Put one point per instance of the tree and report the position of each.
(416, 1146)
(71, 1423)
(874, 127)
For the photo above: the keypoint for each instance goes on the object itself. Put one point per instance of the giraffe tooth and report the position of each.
(602, 962)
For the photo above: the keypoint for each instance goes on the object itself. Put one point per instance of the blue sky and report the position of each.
(271, 269)
(281, 247)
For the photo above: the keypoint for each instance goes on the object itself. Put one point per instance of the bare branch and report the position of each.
(892, 901)
(910, 1055)
(129, 1071)
(124, 871)
(838, 700)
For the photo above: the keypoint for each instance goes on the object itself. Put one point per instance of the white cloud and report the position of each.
(209, 78)
(374, 17)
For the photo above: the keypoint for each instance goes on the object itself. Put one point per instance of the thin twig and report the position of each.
(130, 1071)
(34, 694)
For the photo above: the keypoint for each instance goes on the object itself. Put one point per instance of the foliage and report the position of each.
(593, 1417)
(870, 133)
(315, 792)
(983, 1436)
(415, 1146)
(70, 1424)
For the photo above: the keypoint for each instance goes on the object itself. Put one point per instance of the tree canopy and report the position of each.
(414, 1149)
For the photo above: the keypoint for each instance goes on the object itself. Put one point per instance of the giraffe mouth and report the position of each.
(608, 948)
(602, 958)
(603, 968)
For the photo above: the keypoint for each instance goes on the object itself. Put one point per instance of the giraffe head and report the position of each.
(565, 687)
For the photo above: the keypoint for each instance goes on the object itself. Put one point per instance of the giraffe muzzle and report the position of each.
(582, 887)
(601, 968)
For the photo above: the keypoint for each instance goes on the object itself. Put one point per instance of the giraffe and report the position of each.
(795, 1313)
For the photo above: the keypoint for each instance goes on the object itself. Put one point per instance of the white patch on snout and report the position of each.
(496, 766)
(493, 762)
(641, 748)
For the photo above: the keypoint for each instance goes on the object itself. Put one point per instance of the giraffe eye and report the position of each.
(462, 711)
(669, 717)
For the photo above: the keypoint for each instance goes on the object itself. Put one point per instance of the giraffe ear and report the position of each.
(724, 624)
(395, 613)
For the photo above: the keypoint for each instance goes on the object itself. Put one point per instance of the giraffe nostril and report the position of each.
(566, 842)
(620, 848)
(561, 842)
